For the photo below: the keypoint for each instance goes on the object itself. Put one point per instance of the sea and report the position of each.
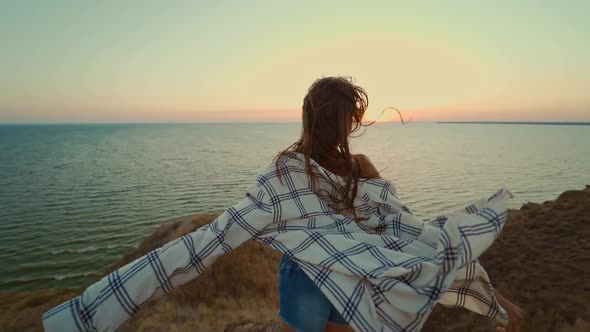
(76, 197)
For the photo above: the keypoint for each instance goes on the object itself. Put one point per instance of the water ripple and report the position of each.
(76, 198)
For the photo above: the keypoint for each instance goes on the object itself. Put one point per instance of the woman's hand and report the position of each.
(515, 314)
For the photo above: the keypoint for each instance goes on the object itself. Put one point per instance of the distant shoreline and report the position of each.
(518, 123)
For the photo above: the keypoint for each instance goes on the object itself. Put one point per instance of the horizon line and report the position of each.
(164, 122)
(284, 122)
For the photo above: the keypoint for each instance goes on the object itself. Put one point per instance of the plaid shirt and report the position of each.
(385, 273)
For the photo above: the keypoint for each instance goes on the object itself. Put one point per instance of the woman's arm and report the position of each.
(111, 301)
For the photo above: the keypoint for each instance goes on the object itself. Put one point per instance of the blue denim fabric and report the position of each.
(303, 305)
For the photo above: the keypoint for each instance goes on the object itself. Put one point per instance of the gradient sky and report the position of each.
(176, 61)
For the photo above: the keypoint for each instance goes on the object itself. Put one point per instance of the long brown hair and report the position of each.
(333, 109)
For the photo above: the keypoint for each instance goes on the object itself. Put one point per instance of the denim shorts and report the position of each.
(304, 307)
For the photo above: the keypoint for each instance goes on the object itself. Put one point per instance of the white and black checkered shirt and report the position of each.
(383, 274)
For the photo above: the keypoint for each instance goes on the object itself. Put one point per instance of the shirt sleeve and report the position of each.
(478, 224)
(458, 237)
(473, 291)
(110, 302)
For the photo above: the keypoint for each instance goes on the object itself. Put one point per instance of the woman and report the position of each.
(355, 257)
(332, 110)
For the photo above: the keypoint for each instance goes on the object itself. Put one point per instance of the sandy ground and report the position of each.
(541, 262)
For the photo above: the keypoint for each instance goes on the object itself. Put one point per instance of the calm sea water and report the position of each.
(74, 198)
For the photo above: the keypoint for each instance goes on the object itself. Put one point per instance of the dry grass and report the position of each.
(239, 286)
(21, 311)
(541, 262)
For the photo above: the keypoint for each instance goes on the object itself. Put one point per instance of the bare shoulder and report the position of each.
(368, 170)
(361, 156)
(362, 159)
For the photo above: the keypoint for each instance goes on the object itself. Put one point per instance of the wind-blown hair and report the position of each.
(333, 109)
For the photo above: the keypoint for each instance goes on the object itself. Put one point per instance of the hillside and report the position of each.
(541, 262)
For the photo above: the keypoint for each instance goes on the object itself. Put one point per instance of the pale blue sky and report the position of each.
(81, 61)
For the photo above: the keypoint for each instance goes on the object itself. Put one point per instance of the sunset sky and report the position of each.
(187, 61)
